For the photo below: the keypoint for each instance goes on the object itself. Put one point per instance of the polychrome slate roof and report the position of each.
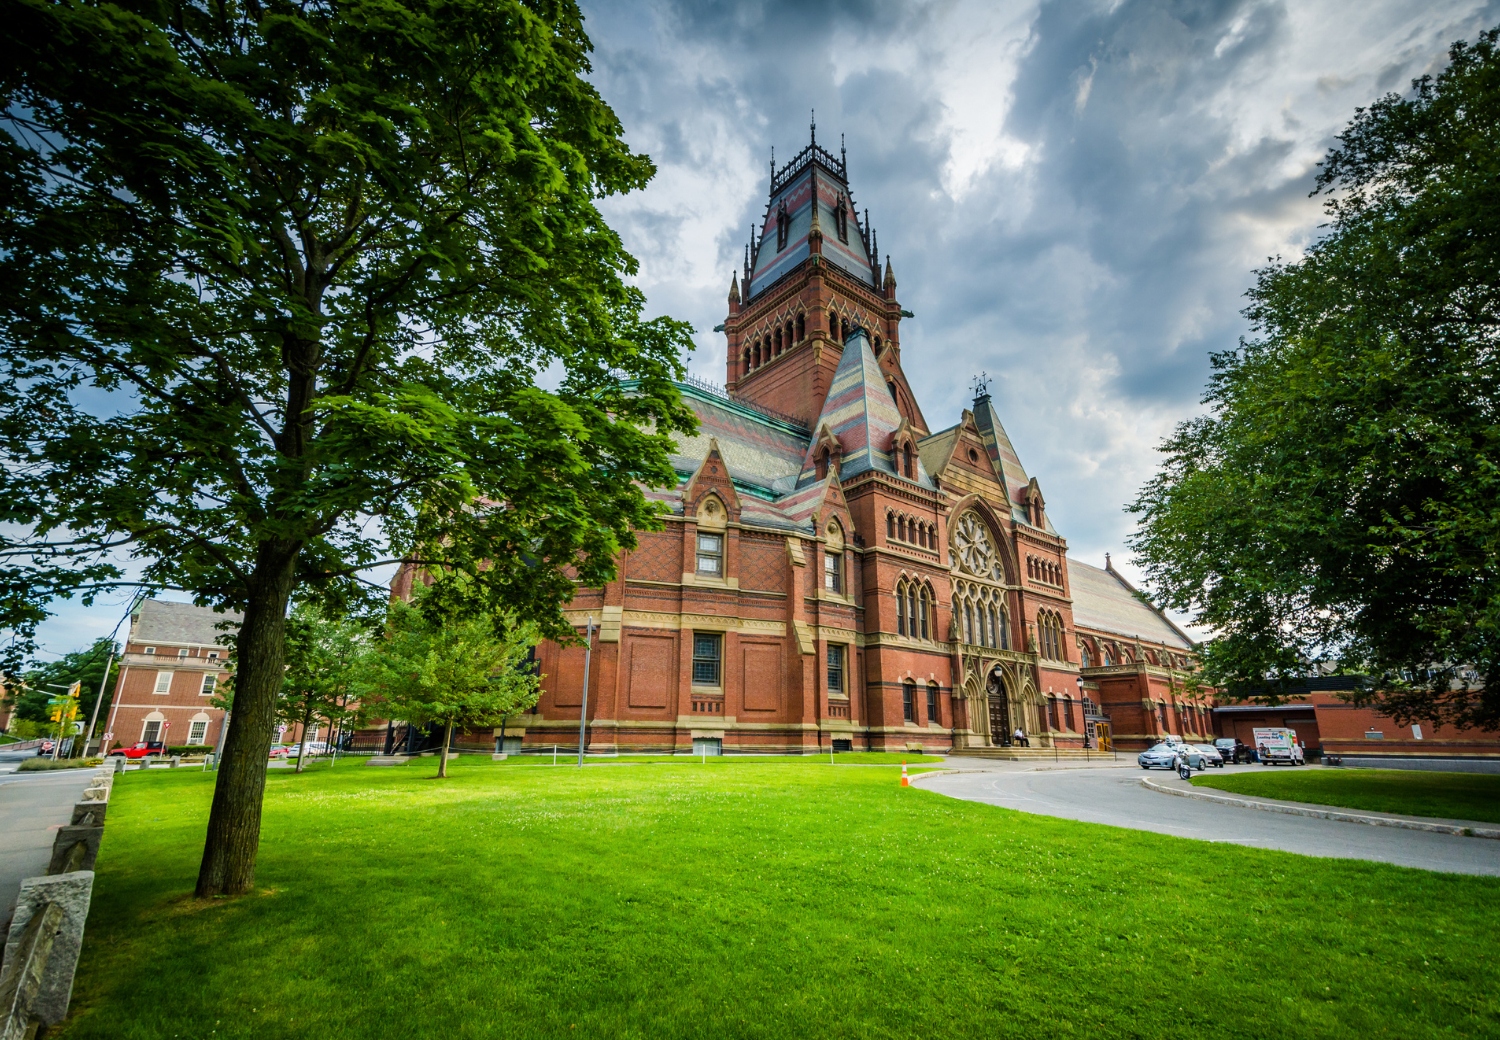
(771, 263)
(1103, 602)
(757, 450)
(858, 411)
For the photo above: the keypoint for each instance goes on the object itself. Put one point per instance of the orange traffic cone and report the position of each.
(905, 780)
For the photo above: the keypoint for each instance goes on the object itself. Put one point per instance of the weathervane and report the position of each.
(981, 385)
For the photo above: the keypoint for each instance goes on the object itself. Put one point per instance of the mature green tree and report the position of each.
(279, 285)
(456, 668)
(85, 667)
(1340, 503)
(321, 653)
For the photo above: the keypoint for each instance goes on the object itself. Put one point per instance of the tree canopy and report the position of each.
(280, 287)
(459, 668)
(321, 655)
(28, 698)
(1339, 506)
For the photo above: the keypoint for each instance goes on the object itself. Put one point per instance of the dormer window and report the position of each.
(908, 468)
(841, 219)
(783, 226)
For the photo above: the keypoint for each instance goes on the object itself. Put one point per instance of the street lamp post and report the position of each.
(1083, 710)
(583, 714)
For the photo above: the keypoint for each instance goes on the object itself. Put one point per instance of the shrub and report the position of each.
(32, 765)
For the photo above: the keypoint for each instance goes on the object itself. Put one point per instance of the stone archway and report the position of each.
(999, 709)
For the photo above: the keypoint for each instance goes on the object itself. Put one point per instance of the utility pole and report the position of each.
(583, 715)
(103, 683)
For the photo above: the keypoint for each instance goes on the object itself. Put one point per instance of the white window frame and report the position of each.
(208, 685)
(146, 727)
(149, 650)
(193, 727)
(713, 556)
(157, 690)
(183, 651)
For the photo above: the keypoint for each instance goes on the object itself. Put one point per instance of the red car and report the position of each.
(141, 750)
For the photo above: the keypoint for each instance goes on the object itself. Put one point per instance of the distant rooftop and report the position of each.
(1103, 602)
(181, 624)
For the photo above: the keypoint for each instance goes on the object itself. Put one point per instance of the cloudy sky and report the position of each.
(1074, 194)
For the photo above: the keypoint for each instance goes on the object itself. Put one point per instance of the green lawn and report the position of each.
(748, 898)
(1455, 796)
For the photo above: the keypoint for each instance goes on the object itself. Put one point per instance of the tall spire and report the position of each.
(734, 288)
(814, 129)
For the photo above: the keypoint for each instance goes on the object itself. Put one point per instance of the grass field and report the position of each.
(1456, 796)
(748, 898)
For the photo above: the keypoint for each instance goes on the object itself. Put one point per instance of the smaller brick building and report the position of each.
(174, 659)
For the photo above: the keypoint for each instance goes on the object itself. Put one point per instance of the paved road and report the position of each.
(32, 807)
(1115, 796)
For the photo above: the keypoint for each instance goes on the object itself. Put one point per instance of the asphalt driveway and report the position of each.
(1114, 796)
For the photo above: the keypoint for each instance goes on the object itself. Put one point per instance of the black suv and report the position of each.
(1233, 751)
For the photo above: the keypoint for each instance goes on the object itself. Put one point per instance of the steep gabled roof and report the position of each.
(1105, 602)
(1002, 452)
(181, 624)
(860, 412)
(814, 174)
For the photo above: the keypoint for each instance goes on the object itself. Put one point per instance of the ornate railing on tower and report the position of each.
(799, 162)
(710, 387)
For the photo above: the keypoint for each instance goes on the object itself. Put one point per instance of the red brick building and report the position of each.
(833, 570)
(1328, 723)
(173, 661)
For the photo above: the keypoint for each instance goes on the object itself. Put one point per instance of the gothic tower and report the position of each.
(812, 277)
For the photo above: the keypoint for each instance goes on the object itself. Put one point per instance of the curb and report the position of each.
(1326, 814)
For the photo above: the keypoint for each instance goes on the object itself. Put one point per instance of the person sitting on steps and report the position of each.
(1019, 738)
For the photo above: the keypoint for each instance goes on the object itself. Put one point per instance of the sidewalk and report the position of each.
(1468, 828)
(32, 807)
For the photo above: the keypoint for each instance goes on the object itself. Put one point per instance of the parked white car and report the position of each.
(1211, 755)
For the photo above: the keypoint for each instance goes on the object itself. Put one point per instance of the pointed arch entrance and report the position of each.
(999, 702)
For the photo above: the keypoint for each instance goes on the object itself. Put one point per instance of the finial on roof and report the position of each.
(981, 385)
(890, 275)
(734, 288)
(814, 128)
(1108, 565)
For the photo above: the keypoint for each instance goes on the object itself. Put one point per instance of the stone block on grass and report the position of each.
(388, 760)
(70, 893)
(75, 848)
(89, 814)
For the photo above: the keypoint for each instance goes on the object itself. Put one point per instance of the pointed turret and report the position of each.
(860, 412)
(890, 280)
(734, 293)
(1004, 458)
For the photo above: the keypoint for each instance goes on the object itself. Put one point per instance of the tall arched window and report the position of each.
(906, 467)
(924, 603)
(901, 608)
(994, 634)
(1083, 656)
(801, 327)
(968, 622)
(911, 608)
(890, 525)
(790, 328)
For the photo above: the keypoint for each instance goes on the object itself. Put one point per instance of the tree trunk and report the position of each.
(229, 850)
(302, 740)
(443, 757)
